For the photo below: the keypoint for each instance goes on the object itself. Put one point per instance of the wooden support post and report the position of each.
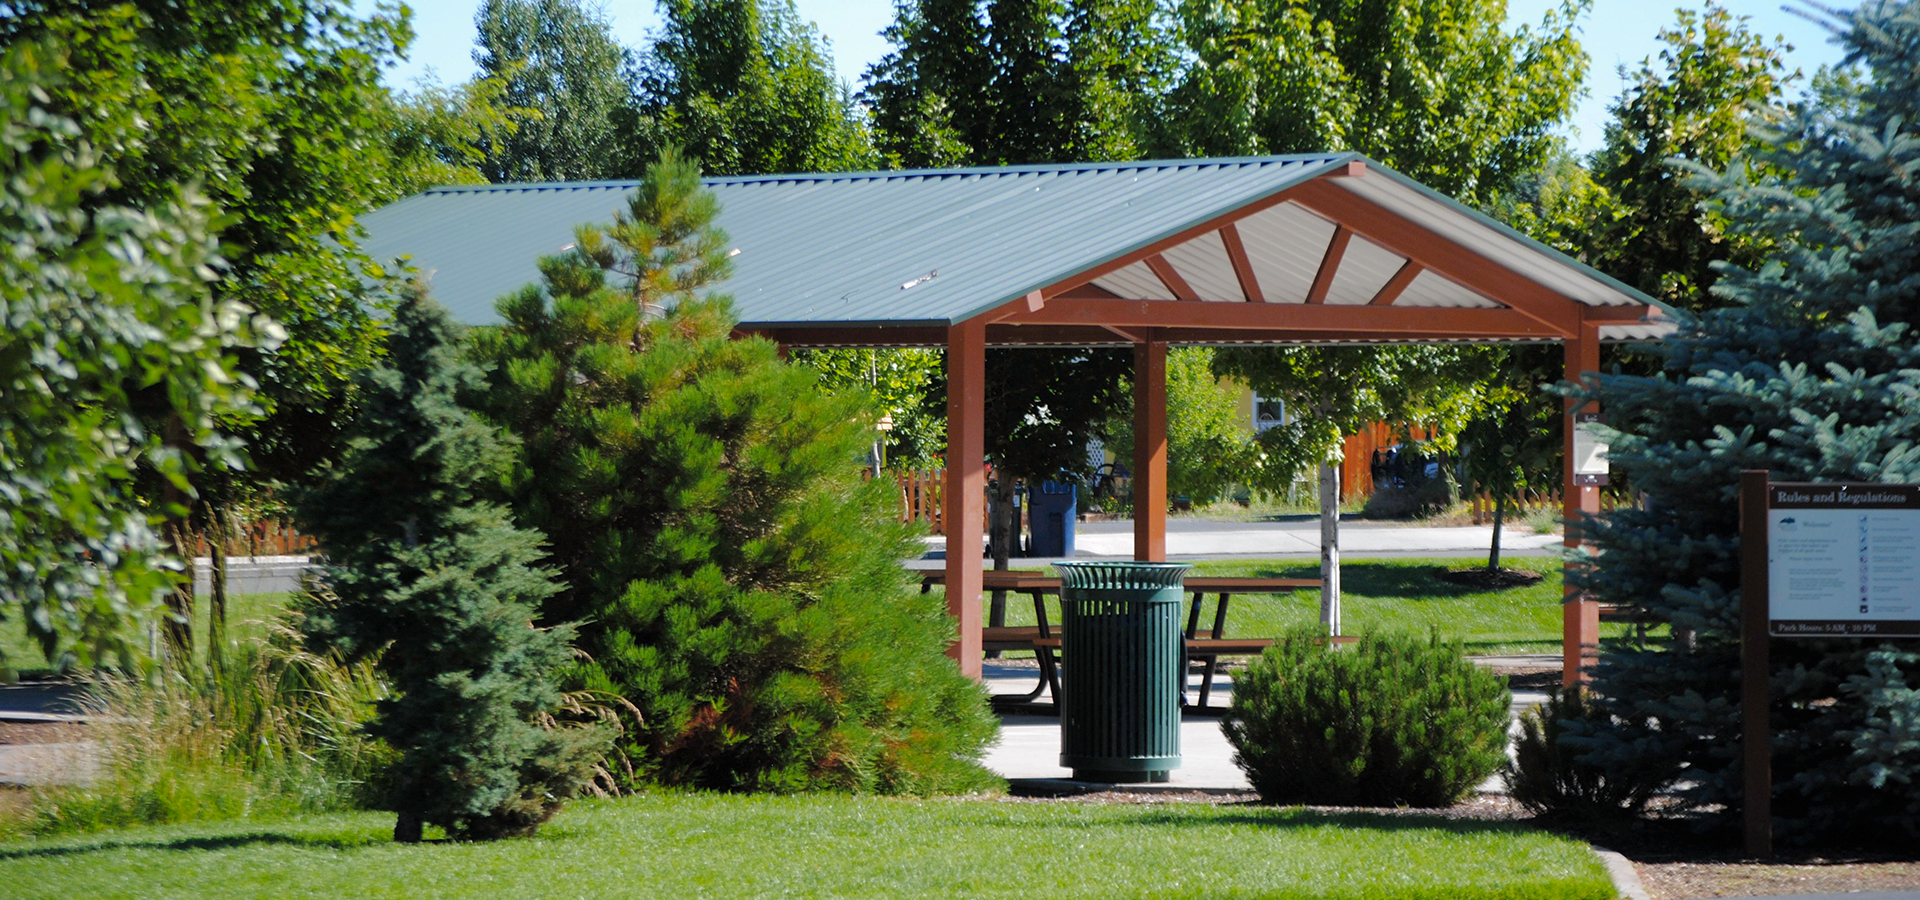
(1579, 614)
(1150, 450)
(966, 485)
(1756, 696)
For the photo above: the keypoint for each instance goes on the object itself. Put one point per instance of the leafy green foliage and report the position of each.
(747, 87)
(1700, 107)
(990, 82)
(444, 135)
(1331, 392)
(1208, 451)
(106, 319)
(1392, 721)
(1514, 445)
(557, 59)
(426, 576)
(1813, 373)
(275, 110)
(1549, 778)
(737, 580)
(899, 383)
(1435, 88)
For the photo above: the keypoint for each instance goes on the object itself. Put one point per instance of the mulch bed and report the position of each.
(1492, 580)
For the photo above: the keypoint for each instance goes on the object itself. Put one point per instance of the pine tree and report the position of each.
(738, 580)
(422, 572)
(1812, 372)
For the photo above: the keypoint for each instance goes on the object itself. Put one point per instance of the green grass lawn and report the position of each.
(699, 845)
(247, 615)
(1392, 594)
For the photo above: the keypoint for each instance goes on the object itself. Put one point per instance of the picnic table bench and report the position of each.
(1043, 639)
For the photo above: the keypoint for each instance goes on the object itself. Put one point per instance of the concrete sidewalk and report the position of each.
(1299, 538)
(1029, 745)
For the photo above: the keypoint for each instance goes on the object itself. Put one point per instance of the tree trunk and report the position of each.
(178, 534)
(217, 533)
(1499, 517)
(1330, 547)
(1001, 533)
(406, 828)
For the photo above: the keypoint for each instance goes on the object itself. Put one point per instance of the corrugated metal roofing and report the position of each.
(840, 249)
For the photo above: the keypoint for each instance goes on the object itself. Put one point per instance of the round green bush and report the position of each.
(1392, 721)
(1550, 775)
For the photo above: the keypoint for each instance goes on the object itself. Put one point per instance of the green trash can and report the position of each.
(1121, 648)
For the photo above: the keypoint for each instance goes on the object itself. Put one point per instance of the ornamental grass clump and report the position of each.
(271, 730)
(1393, 721)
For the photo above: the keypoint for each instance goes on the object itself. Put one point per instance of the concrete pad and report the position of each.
(1299, 539)
(1029, 745)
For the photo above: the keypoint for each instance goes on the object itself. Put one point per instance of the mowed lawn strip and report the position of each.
(704, 845)
(1405, 595)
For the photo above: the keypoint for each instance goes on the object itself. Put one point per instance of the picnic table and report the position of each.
(1044, 640)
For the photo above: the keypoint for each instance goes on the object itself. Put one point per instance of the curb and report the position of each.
(1626, 880)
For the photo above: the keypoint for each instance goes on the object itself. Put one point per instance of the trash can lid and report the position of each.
(1121, 574)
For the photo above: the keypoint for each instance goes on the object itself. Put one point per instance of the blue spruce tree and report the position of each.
(437, 583)
(1812, 372)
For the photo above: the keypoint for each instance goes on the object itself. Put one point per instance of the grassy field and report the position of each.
(698, 845)
(246, 620)
(1393, 594)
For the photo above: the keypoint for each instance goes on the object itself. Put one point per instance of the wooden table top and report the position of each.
(1031, 580)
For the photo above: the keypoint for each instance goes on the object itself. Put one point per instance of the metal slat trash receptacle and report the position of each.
(1121, 648)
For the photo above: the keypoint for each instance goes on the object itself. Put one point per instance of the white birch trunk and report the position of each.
(1330, 547)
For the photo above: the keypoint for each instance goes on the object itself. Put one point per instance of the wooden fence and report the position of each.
(270, 537)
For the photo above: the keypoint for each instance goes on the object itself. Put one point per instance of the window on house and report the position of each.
(1268, 413)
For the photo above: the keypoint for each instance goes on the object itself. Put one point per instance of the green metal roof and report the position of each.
(922, 247)
(835, 249)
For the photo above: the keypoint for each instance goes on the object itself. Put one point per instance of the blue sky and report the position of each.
(1615, 33)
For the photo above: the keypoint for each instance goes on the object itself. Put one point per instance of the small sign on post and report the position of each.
(1817, 560)
(1589, 451)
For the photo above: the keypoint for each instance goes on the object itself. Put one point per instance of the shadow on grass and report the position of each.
(1401, 582)
(1263, 815)
(109, 843)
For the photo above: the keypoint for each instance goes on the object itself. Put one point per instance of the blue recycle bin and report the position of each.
(1051, 517)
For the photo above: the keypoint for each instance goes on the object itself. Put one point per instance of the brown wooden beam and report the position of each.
(1579, 613)
(966, 487)
(1150, 450)
(1439, 253)
(1176, 285)
(1242, 265)
(1329, 265)
(1298, 319)
(1397, 284)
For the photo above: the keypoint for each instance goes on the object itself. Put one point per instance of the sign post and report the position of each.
(1816, 560)
(1755, 700)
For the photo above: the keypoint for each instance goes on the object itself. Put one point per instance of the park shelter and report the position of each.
(1323, 248)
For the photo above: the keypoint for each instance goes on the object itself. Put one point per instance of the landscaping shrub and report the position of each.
(1393, 721)
(1547, 776)
(735, 577)
(426, 577)
(273, 729)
